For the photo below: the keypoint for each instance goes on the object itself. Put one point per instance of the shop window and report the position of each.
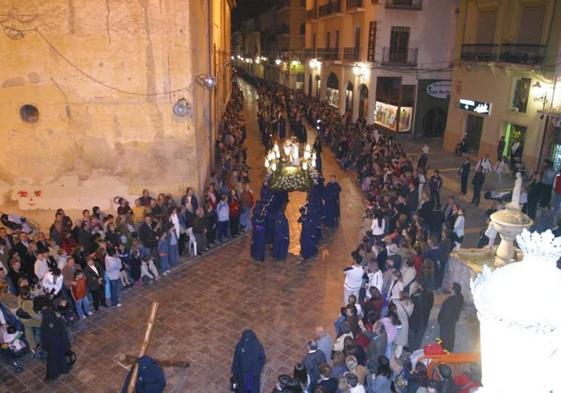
(513, 133)
(521, 94)
(29, 113)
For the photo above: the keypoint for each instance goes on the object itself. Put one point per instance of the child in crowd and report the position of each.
(80, 295)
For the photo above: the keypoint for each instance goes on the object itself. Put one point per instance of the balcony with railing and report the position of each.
(312, 15)
(405, 4)
(351, 54)
(310, 53)
(333, 7)
(407, 57)
(328, 53)
(355, 5)
(505, 53)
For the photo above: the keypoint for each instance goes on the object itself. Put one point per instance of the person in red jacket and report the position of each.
(80, 294)
(234, 205)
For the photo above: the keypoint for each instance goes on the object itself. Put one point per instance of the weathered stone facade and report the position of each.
(104, 76)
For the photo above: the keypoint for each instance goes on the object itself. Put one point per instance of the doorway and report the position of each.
(474, 128)
(363, 102)
(349, 98)
(434, 123)
(318, 85)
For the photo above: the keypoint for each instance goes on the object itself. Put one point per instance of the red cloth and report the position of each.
(557, 184)
(465, 383)
(418, 263)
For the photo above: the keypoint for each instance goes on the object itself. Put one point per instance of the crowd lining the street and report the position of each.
(50, 280)
(398, 264)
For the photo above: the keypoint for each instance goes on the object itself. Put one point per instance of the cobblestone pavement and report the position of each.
(205, 305)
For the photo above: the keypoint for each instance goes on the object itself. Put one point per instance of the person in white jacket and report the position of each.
(353, 278)
(459, 229)
(375, 278)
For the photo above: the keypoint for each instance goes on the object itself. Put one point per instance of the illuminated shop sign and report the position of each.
(479, 107)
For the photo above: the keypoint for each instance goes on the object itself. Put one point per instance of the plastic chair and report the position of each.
(192, 242)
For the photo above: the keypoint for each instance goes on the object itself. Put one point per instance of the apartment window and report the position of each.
(372, 41)
(314, 42)
(337, 39)
(399, 44)
(521, 94)
(328, 40)
(531, 24)
(357, 37)
(486, 27)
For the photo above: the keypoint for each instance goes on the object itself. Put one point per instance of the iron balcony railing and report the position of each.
(354, 4)
(407, 57)
(505, 53)
(310, 53)
(351, 54)
(312, 14)
(333, 7)
(328, 53)
(522, 54)
(405, 4)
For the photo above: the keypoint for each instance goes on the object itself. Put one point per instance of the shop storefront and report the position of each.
(394, 104)
(552, 140)
(513, 133)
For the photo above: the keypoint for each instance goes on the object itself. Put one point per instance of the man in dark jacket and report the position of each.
(449, 315)
(477, 181)
(464, 174)
(313, 360)
(148, 237)
(423, 300)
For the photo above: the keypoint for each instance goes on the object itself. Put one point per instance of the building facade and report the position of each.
(103, 99)
(273, 44)
(385, 61)
(504, 79)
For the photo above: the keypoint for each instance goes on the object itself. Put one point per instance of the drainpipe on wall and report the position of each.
(210, 91)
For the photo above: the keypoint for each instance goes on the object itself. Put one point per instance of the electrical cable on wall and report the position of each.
(14, 33)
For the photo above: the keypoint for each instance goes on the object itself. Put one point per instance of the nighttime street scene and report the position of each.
(280, 196)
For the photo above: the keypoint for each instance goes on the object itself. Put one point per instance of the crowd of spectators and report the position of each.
(398, 265)
(79, 265)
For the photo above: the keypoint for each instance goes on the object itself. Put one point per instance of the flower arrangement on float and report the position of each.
(290, 170)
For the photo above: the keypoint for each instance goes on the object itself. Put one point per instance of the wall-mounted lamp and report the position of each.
(181, 108)
(360, 69)
(206, 80)
(314, 64)
(278, 62)
(540, 94)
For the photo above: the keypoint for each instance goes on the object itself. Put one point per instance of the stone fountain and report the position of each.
(509, 223)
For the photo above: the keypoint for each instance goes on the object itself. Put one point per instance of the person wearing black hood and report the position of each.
(55, 342)
(423, 300)
(248, 362)
(449, 315)
(446, 384)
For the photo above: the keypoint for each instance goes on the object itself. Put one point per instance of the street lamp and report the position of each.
(278, 62)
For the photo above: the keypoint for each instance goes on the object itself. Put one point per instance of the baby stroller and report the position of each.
(499, 196)
(12, 343)
(17, 223)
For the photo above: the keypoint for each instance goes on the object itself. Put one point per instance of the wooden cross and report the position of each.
(144, 349)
